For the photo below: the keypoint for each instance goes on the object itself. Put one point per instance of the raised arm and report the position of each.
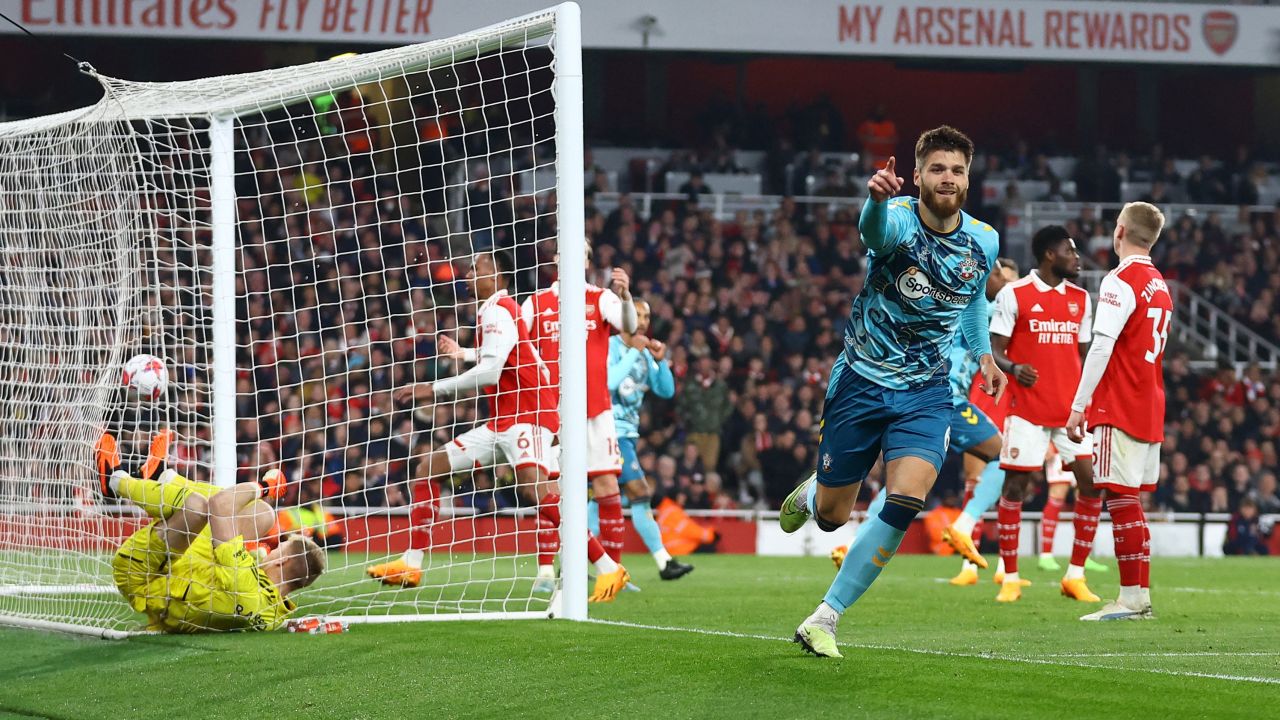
(661, 380)
(622, 359)
(499, 336)
(875, 224)
(617, 308)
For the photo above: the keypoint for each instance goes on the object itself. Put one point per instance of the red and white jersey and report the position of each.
(524, 393)
(541, 314)
(1135, 308)
(1045, 326)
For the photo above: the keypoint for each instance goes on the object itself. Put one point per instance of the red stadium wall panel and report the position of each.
(389, 534)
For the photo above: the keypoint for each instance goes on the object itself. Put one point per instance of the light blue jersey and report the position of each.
(964, 366)
(632, 373)
(921, 287)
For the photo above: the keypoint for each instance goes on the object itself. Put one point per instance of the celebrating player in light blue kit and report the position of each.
(971, 433)
(928, 263)
(638, 364)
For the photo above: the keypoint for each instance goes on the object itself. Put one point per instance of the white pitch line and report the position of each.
(1243, 653)
(946, 653)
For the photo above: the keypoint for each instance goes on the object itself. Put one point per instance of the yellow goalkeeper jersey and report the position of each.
(217, 589)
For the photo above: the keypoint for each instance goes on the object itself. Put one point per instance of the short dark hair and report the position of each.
(504, 262)
(945, 138)
(1046, 238)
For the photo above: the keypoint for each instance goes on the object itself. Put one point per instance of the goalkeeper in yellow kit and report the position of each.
(188, 570)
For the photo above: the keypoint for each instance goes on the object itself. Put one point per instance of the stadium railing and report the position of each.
(1203, 328)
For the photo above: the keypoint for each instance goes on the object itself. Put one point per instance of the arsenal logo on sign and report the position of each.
(1220, 27)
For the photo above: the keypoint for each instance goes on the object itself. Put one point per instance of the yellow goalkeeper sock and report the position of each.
(160, 499)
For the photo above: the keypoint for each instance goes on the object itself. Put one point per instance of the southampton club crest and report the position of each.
(826, 462)
(968, 269)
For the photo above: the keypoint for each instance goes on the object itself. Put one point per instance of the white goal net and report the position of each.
(293, 244)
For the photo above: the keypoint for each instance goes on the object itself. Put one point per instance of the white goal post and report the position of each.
(292, 243)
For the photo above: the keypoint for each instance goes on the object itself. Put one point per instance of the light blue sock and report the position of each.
(811, 495)
(986, 492)
(593, 518)
(646, 527)
(873, 510)
(877, 541)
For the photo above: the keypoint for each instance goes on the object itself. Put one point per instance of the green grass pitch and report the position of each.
(712, 645)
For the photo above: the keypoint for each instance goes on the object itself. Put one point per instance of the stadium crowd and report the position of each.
(347, 280)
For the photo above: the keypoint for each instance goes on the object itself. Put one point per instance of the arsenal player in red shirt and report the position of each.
(523, 420)
(1040, 325)
(1124, 378)
(607, 312)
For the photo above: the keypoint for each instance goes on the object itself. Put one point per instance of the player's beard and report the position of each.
(943, 205)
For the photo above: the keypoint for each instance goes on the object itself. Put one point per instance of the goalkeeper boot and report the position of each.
(674, 570)
(1115, 610)
(1091, 565)
(156, 455)
(608, 585)
(792, 515)
(817, 634)
(107, 457)
(962, 542)
(396, 572)
(1076, 589)
(968, 576)
(1048, 563)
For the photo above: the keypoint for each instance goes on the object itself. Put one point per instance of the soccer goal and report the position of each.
(292, 243)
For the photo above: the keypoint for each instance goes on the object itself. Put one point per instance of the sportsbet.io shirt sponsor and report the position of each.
(901, 327)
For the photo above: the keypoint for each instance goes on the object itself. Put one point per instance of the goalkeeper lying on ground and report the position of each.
(188, 570)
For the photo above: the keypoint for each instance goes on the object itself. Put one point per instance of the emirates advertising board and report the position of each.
(1072, 31)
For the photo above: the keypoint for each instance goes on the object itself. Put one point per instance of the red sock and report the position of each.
(595, 550)
(1128, 523)
(548, 528)
(1049, 523)
(1086, 525)
(1146, 553)
(612, 527)
(1009, 523)
(422, 514)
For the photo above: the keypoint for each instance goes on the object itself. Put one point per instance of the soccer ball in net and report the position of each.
(147, 374)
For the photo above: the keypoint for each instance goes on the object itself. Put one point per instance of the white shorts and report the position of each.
(1122, 463)
(520, 446)
(1026, 444)
(1054, 472)
(604, 457)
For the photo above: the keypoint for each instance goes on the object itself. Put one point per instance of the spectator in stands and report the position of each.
(704, 405)
(1267, 497)
(878, 136)
(695, 187)
(1205, 184)
(1096, 178)
(781, 467)
(1244, 533)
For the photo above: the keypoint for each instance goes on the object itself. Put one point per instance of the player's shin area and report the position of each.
(910, 476)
